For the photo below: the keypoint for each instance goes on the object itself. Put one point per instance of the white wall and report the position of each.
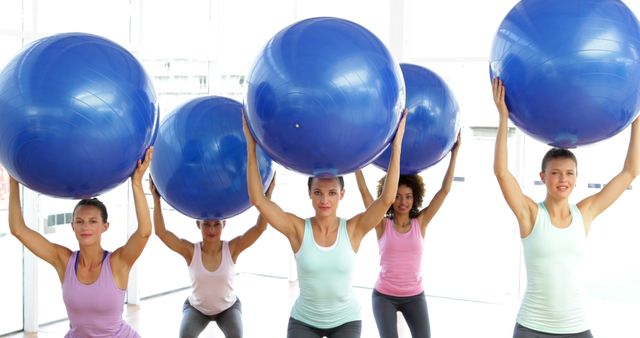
(472, 247)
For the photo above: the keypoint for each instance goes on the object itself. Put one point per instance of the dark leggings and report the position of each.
(194, 322)
(298, 329)
(413, 308)
(524, 332)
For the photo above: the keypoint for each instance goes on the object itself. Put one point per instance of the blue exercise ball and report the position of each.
(432, 121)
(76, 113)
(571, 68)
(200, 159)
(324, 97)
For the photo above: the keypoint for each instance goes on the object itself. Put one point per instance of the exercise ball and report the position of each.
(76, 113)
(571, 69)
(324, 97)
(200, 159)
(432, 121)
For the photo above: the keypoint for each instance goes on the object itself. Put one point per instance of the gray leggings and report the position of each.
(298, 329)
(413, 308)
(194, 321)
(524, 332)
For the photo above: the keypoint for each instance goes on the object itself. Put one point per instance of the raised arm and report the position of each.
(123, 258)
(288, 224)
(240, 243)
(367, 220)
(522, 206)
(427, 213)
(593, 205)
(367, 199)
(52, 253)
(173, 242)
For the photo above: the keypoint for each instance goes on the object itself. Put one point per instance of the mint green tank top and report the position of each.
(326, 299)
(554, 259)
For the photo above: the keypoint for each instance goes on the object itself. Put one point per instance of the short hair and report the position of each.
(416, 184)
(555, 153)
(94, 202)
(339, 178)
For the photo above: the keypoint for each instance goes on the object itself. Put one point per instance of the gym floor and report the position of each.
(265, 314)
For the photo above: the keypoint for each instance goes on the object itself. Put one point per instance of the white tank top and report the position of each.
(212, 290)
(554, 259)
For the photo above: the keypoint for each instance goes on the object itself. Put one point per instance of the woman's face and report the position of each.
(404, 200)
(211, 229)
(325, 196)
(87, 224)
(560, 177)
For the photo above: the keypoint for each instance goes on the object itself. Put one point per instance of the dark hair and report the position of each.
(555, 153)
(339, 178)
(416, 184)
(94, 202)
(214, 220)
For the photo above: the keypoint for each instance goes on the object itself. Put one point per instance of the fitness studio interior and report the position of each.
(251, 56)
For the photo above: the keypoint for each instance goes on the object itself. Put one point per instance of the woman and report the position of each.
(211, 265)
(93, 279)
(324, 246)
(400, 237)
(554, 232)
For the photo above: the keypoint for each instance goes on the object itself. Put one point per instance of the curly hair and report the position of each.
(416, 184)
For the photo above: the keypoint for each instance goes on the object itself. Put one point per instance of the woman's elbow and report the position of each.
(15, 232)
(255, 197)
(388, 200)
(500, 172)
(259, 202)
(253, 200)
(145, 232)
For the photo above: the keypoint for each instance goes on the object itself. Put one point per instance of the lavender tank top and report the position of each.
(94, 310)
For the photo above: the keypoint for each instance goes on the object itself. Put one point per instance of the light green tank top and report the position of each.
(554, 259)
(326, 299)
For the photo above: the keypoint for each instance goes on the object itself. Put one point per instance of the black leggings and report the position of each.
(298, 329)
(524, 332)
(413, 308)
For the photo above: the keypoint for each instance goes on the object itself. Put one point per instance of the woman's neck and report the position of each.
(91, 255)
(401, 219)
(326, 223)
(556, 206)
(211, 246)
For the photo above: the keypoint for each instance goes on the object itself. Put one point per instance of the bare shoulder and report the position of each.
(527, 212)
(117, 258)
(296, 221)
(353, 221)
(297, 225)
(63, 253)
(527, 220)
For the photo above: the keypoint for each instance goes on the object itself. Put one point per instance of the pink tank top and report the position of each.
(212, 290)
(94, 310)
(400, 261)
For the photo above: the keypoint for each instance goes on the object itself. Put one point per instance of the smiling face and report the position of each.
(559, 177)
(404, 200)
(409, 187)
(325, 194)
(88, 225)
(211, 229)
